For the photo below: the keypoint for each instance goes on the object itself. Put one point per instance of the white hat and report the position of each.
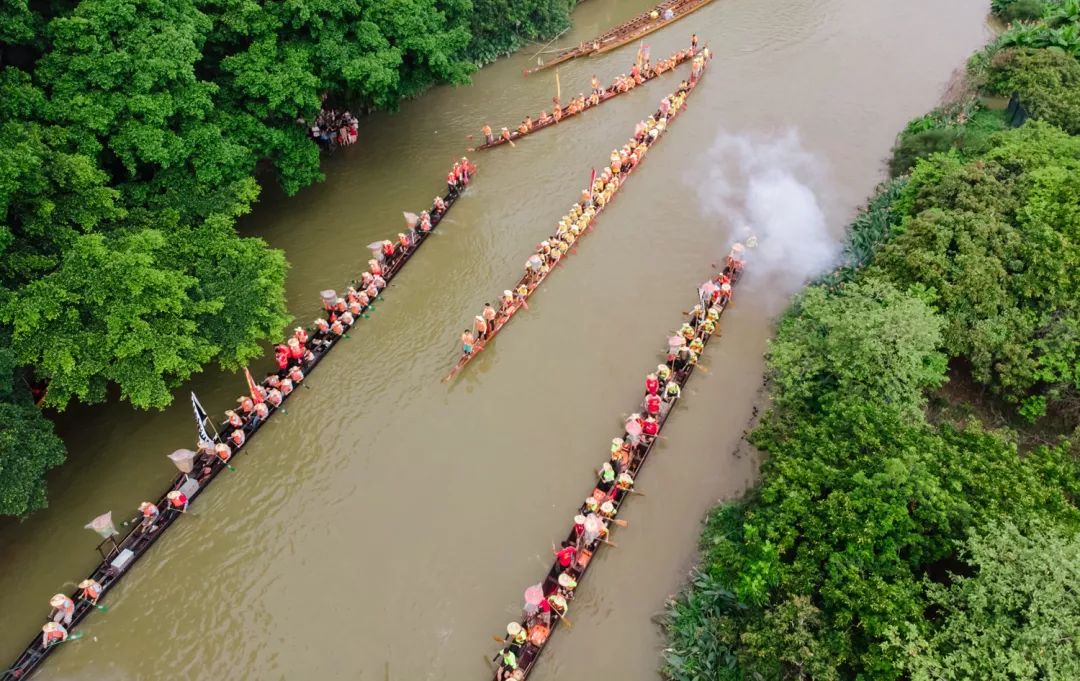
(607, 508)
(507, 292)
(566, 581)
(590, 502)
(58, 600)
(579, 519)
(145, 504)
(176, 494)
(513, 628)
(617, 441)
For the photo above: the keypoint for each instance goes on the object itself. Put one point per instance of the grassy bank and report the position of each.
(889, 540)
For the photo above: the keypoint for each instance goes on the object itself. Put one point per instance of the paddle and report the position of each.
(102, 608)
(69, 639)
(610, 543)
(563, 618)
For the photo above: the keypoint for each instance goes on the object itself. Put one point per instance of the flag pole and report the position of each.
(558, 87)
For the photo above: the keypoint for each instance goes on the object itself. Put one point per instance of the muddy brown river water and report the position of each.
(386, 527)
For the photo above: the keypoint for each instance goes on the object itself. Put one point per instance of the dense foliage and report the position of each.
(881, 544)
(132, 132)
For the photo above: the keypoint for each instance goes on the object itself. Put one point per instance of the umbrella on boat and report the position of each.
(633, 427)
(411, 219)
(676, 342)
(534, 595)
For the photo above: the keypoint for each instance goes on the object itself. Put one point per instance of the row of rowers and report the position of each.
(573, 224)
(591, 526)
(591, 523)
(639, 73)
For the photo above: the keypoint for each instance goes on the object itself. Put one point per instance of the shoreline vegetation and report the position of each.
(918, 511)
(133, 130)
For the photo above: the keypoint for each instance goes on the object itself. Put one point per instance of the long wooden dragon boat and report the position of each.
(626, 32)
(531, 284)
(566, 112)
(538, 635)
(119, 555)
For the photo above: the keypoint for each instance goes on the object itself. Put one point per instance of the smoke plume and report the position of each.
(769, 187)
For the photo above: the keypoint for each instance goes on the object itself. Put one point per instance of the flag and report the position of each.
(200, 420)
(256, 395)
(592, 180)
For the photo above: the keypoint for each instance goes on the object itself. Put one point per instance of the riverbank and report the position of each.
(299, 521)
(872, 512)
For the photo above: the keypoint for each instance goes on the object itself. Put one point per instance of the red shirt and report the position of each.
(650, 428)
(566, 556)
(652, 402)
(652, 385)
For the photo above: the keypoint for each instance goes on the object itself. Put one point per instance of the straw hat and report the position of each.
(87, 583)
(566, 581)
(508, 293)
(230, 412)
(513, 629)
(579, 519)
(51, 626)
(175, 494)
(58, 600)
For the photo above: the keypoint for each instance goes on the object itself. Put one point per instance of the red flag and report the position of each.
(256, 396)
(592, 179)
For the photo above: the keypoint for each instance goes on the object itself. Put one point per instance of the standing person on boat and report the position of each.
(91, 591)
(51, 634)
(505, 134)
(489, 316)
(506, 304)
(63, 608)
(486, 132)
(596, 85)
(467, 341)
(693, 43)
(481, 328)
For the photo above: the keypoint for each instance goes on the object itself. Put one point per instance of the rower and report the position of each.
(509, 665)
(403, 242)
(697, 315)
(246, 405)
(438, 204)
(663, 372)
(481, 327)
(528, 123)
(579, 525)
(596, 85)
(650, 428)
(523, 129)
(652, 384)
(237, 437)
(234, 419)
(686, 331)
(522, 293)
(486, 132)
(51, 634)
(672, 391)
(565, 555)
(91, 591)
(178, 502)
(652, 405)
(372, 290)
(505, 134)
(489, 316)
(425, 219)
(607, 475)
(451, 182)
(150, 514)
(544, 119)
(625, 481)
(295, 374)
(558, 603)
(607, 509)
(63, 608)
(591, 504)
(274, 397)
(506, 303)
(567, 584)
(378, 282)
(222, 450)
(467, 340)
(296, 352)
(515, 634)
(682, 358)
(301, 335)
(286, 387)
(388, 254)
(696, 346)
(708, 328)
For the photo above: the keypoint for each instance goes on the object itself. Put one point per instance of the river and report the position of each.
(386, 527)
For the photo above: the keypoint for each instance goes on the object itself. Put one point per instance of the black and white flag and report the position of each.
(200, 419)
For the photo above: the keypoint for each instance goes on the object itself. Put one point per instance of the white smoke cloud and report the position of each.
(769, 186)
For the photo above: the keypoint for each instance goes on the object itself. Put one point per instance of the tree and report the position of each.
(1015, 618)
(28, 445)
(867, 340)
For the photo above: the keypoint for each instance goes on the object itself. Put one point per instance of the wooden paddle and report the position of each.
(610, 543)
(563, 618)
